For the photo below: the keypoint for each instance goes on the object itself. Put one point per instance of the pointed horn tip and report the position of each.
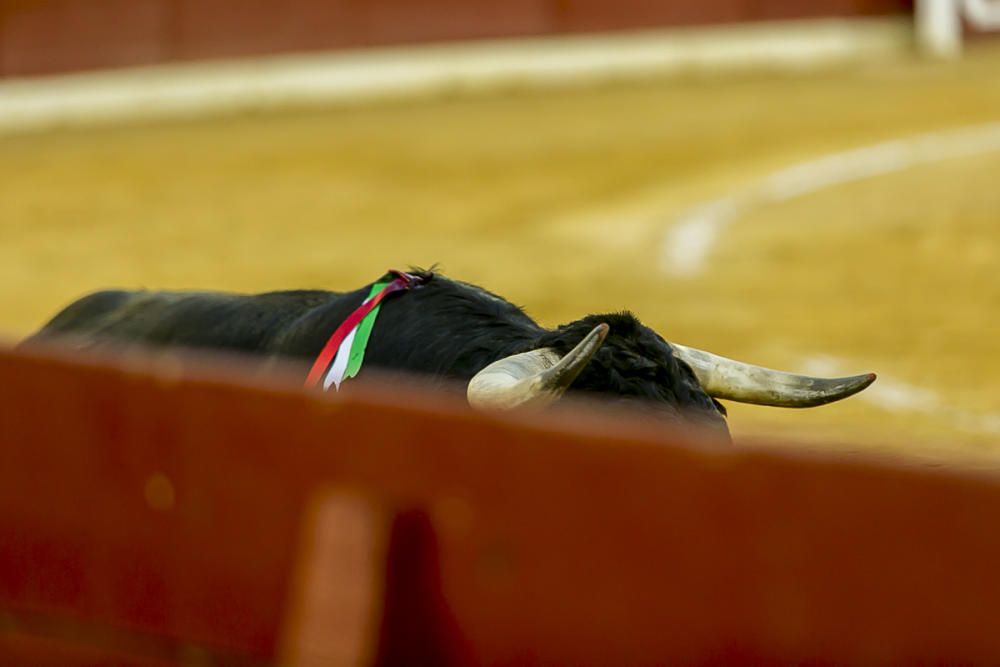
(862, 381)
(595, 338)
(852, 385)
(865, 380)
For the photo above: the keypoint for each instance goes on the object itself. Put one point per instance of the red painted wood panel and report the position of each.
(42, 36)
(406, 21)
(597, 16)
(785, 9)
(228, 28)
(162, 509)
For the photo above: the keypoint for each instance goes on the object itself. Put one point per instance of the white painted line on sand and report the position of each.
(182, 90)
(689, 241)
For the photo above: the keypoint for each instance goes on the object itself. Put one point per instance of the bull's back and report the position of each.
(235, 322)
(85, 314)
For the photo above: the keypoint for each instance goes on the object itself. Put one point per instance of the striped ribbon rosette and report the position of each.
(344, 352)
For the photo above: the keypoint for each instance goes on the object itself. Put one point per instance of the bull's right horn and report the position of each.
(734, 380)
(535, 378)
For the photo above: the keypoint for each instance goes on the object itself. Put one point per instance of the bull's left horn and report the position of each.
(535, 378)
(737, 381)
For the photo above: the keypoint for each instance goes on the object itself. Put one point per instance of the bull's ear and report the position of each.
(534, 378)
(745, 383)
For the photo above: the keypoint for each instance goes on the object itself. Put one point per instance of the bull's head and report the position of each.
(636, 363)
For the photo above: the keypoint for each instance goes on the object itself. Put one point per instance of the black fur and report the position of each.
(444, 329)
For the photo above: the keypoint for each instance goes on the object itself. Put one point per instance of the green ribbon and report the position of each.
(362, 334)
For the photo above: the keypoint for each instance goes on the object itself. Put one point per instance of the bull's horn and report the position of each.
(736, 381)
(535, 378)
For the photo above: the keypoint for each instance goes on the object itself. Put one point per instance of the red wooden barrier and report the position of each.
(155, 514)
(44, 36)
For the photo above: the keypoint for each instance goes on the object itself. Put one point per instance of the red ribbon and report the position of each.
(402, 281)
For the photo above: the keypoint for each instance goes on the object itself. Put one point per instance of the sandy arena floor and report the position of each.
(564, 202)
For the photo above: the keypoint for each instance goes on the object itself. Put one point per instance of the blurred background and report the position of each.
(810, 186)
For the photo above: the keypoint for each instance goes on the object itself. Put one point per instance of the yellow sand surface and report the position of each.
(562, 201)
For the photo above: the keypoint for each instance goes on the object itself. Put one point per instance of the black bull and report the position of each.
(450, 330)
